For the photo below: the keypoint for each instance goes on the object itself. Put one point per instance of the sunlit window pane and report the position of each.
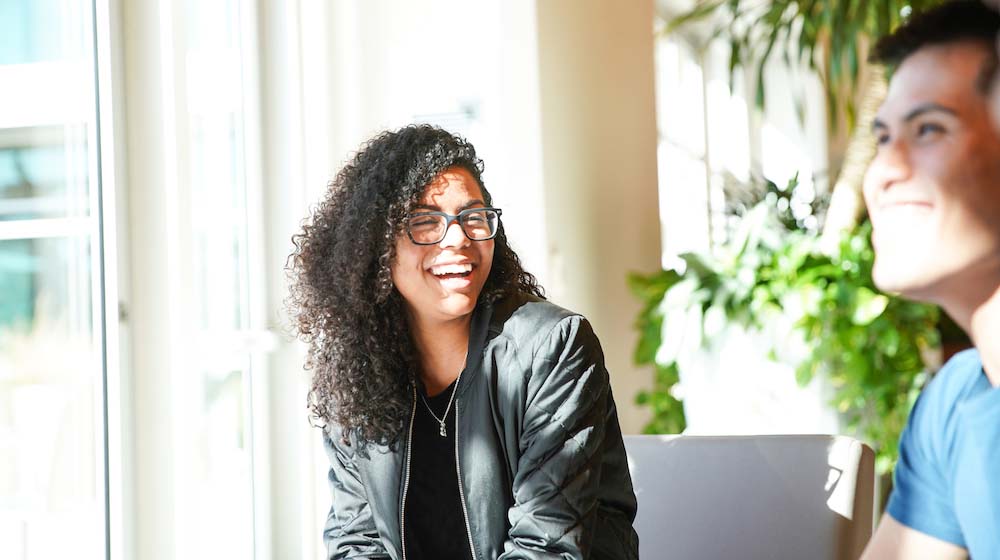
(43, 173)
(46, 108)
(52, 495)
(31, 30)
(50, 407)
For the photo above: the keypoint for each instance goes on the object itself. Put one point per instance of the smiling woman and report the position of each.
(444, 382)
(442, 264)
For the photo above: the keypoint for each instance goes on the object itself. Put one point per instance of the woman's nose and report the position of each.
(454, 236)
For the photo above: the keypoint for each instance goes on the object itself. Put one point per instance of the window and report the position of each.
(713, 140)
(713, 144)
(51, 364)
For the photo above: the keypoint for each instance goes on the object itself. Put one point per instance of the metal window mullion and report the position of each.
(118, 460)
(98, 317)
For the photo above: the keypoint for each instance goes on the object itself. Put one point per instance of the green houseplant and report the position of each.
(831, 38)
(870, 346)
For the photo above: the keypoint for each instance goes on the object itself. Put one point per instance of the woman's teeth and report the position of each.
(451, 270)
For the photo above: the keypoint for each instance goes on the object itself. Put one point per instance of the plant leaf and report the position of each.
(869, 306)
(701, 11)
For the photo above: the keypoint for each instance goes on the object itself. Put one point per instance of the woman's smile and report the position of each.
(454, 276)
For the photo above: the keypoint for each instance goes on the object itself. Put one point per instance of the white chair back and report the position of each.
(752, 497)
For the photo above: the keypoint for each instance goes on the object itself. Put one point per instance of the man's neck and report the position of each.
(983, 328)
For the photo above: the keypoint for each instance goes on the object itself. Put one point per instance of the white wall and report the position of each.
(598, 113)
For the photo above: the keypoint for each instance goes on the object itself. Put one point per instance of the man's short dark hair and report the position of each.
(950, 22)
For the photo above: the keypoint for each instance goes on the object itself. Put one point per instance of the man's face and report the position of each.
(933, 189)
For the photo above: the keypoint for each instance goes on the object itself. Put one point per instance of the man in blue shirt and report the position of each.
(933, 194)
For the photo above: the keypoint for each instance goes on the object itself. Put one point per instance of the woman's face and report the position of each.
(442, 282)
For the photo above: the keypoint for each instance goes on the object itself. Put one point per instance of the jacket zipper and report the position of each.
(406, 478)
(461, 491)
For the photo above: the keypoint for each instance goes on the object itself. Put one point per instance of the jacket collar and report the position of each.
(478, 331)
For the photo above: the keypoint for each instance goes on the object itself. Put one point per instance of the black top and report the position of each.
(434, 518)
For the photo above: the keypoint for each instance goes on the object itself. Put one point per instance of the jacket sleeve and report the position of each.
(558, 473)
(350, 526)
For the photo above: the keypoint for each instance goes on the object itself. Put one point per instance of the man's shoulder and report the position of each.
(922, 497)
(956, 380)
(934, 417)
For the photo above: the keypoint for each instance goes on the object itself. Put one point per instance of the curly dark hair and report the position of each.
(342, 296)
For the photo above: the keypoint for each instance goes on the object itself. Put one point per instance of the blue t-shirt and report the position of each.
(947, 481)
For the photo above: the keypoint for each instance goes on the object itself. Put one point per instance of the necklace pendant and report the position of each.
(443, 432)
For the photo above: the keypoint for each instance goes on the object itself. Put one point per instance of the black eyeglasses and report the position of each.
(430, 228)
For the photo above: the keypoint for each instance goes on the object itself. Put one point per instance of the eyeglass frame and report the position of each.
(450, 219)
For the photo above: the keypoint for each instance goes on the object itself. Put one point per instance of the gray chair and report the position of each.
(752, 497)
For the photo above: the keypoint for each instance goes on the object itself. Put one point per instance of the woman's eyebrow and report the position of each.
(436, 208)
(472, 203)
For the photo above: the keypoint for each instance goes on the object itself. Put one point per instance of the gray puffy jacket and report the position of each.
(542, 468)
